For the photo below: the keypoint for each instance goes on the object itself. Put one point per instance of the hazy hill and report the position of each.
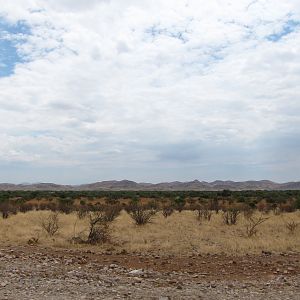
(195, 185)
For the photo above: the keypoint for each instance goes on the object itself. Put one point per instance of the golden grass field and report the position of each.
(179, 234)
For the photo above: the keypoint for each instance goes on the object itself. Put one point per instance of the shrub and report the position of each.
(33, 241)
(179, 203)
(99, 233)
(288, 206)
(291, 226)
(98, 228)
(111, 212)
(65, 205)
(65, 208)
(82, 202)
(297, 203)
(153, 204)
(230, 216)
(7, 208)
(263, 206)
(50, 223)
(248, 212)
(25, 207)
(214, 205)
(82, 210)
(203, 213)
(276, 211)
(141, 214)
(167, 211)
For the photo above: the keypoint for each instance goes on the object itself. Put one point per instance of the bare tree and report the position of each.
(251, 227)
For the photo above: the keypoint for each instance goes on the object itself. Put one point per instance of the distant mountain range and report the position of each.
(127, 185)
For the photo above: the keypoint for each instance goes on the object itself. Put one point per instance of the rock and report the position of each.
(136, 272)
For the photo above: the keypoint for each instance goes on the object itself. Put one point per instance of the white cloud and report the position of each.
(111, 84)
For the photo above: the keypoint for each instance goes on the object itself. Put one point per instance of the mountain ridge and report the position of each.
(124, 185)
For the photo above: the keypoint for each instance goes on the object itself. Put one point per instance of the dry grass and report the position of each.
(179, 234)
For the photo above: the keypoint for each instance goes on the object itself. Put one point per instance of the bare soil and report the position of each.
(30, 272)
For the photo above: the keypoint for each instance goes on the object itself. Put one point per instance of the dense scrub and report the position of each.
(68, 201)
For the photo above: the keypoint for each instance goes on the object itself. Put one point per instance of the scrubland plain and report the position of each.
(150, 245)
(182, 233)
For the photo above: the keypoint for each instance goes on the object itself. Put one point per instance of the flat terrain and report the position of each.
(34, 272)
(181, 233)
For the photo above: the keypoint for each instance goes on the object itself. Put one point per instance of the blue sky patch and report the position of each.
(289, 27)
(10, 37)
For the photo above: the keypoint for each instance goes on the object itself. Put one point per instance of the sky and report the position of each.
(149, 90)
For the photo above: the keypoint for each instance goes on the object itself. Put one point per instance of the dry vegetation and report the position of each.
(180, 233)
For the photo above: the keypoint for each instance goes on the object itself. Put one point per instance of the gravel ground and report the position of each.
(39, 273)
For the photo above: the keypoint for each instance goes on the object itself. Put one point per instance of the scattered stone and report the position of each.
(43, 274)
(113, 266)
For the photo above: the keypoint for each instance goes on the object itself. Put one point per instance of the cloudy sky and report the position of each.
(149, 90)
